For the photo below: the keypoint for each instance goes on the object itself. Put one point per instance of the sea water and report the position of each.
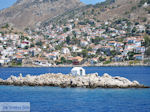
(55, 99)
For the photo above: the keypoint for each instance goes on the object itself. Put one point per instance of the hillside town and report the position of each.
(88, 43)
(80, 39)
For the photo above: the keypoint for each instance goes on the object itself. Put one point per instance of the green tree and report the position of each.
(58, 47)
(74, 33)
(5, 26)
(68, 39)
(90, 49)
(134, 30)
(32, 45)
(66, 29)
(39, 43)
(26, 47)
(131, 55)
(146, 40)
(101, 59)
(147, 52)
(84, 53)
(63, 60)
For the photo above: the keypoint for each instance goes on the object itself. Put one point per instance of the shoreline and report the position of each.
(63, 66)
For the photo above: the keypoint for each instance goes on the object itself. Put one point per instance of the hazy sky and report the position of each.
(7, 3)
(91, 1)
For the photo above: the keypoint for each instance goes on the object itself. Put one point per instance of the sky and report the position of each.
(91, 1)
(8, 3)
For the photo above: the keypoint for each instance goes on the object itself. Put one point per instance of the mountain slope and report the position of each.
(108, 10)
(25, 13)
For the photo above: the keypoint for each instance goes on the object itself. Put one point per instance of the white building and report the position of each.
(52, 57)
(83, 43)
(74, 48)
(65, 50)
(78, 71)
(145, 4)
(141, 28)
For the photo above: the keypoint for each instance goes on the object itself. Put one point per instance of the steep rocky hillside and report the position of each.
(134, 10)
(26, 13)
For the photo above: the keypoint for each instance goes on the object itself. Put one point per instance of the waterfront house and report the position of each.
(118, 58)
(19, 58)
(94, 61)
(139, 57)
(76, 60)
(140, 49)
(52, 56)
(2, 61)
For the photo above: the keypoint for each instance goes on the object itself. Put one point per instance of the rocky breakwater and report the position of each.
(61, 80)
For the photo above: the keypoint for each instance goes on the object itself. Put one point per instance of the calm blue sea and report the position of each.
(54, 99)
